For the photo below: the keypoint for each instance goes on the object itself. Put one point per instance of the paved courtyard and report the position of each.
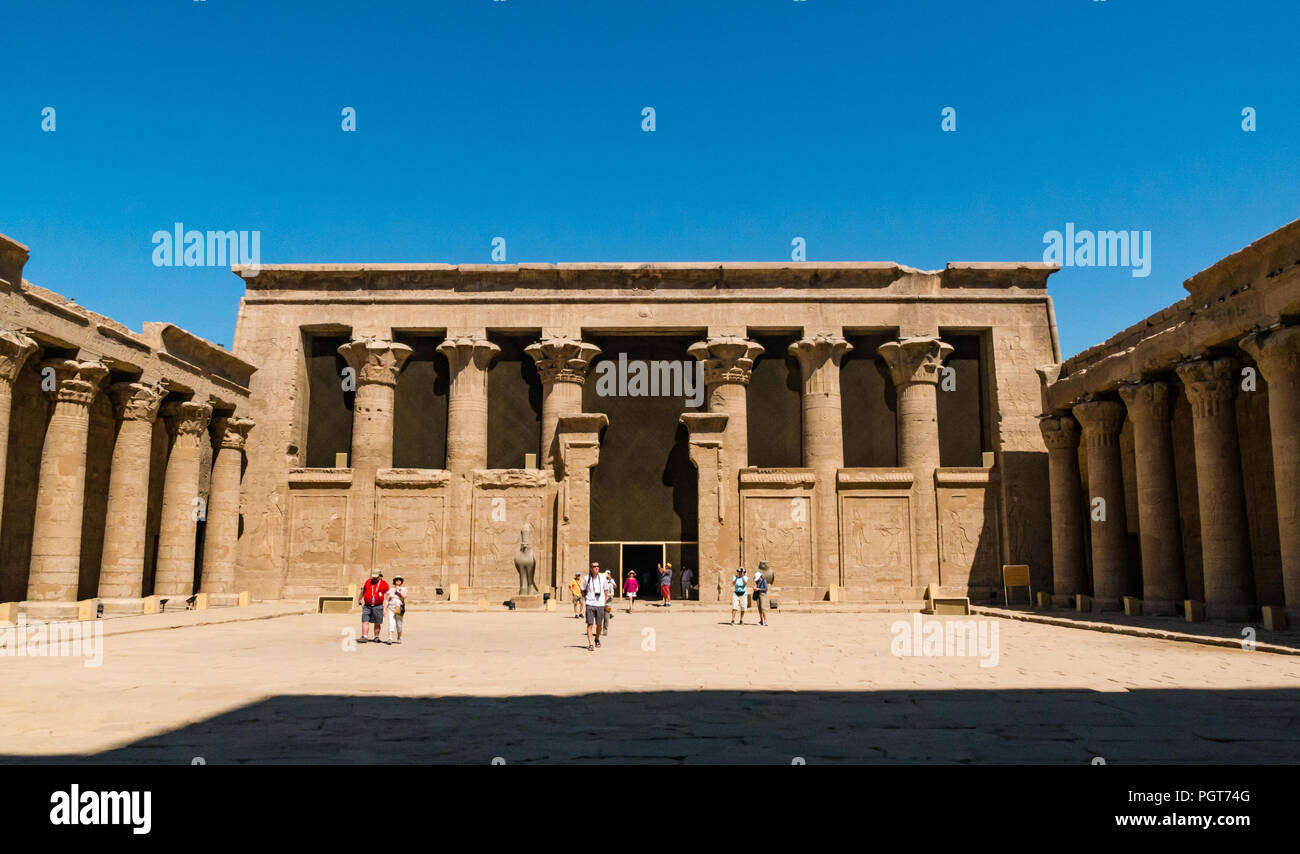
(670, 685)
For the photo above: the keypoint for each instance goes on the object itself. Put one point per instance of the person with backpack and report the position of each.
(371, 601)
(760, 596)
(738, 596)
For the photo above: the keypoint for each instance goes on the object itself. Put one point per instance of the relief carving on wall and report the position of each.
(877, 541)
(776, 529)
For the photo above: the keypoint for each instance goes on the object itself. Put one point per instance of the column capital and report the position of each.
(376, 360)
(1148, 402)
(1101, 421)
(562, 359)
(1211, 384)
(1060, 432)
(466, 350)
(232, 431)
(914, 360)
(813, 351)
(133, 401)
(15, 349)
(188, 418)
(76, 382)
(1277, 352)
(727, 359)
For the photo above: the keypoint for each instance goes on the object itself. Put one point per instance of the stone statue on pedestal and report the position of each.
(525, 562)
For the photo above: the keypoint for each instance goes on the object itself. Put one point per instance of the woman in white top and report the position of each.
(395, 608)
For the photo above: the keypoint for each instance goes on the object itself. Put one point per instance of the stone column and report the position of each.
(1277, 354)
(1102, 421)
(1069, 569)
(377, 362)
(1211, 386)
(61, 493)
(562, 366)
(468, 358)
(221, 539)
(728, 364)
(121, 568)
(188, 424)
(914, 365)
(1150, 408)
(578, 451)
(823, 442)
(706, 433)
(15, 350)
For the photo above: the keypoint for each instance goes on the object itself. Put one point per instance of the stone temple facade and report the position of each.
(1175, 450)
(121, 455)
(864, 428)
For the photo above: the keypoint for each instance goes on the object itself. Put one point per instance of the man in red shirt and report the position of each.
(371, 601)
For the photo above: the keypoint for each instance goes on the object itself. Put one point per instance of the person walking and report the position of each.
(371, 601)
(611, 593)
(666, 583)
(738, 597)
(760, 596)
(630, 588)
(688, 575)
(575, 587)
(593, 593)
(395, 608)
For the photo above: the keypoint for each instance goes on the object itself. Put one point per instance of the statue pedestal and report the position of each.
(532, 602)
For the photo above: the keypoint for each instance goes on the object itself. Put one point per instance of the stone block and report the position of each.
(1044, 600)
(1082, 603)
(9, 612)
(1193, 611)
(529, 603)
(123, 606)
(951, 605)
(833, 594)
(341, 460)
(42, 611)
(334, 604)
(200, 602)
(550, 604)
(1132, 606)
(453, 592)
(150, 605)
(88, 609)
(1274, 618)
(223, 600)
(482, 604)
(244, 599)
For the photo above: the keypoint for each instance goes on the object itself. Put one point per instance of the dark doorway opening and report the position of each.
(644, 560)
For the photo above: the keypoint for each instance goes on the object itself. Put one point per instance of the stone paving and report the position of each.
(670, 686)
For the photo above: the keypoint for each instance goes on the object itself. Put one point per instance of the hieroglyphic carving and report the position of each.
(498, 516)
(968, 556)
(777, 529)
(317, 533)
(877, 541)
(409, 537)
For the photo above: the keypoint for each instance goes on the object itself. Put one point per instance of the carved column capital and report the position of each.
(232, 431)
(376, 360)
(464, 351)
(562, 360)
(137, 401)
(1211, 384)
(727, 359)
(187, 418)
(1101, 421)
(1060, 432)
(1148, 402)
(914, 360)
(1277, 352)
(15, 349)
(76, 382)
(813, 351)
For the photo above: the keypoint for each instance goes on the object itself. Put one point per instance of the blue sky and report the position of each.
(522, 119)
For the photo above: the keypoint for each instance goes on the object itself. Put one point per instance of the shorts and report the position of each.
(577, 597)
(632, 595)
(595, 615)
(759, 599)
(372, 614)
(738, 602)
(663, 591)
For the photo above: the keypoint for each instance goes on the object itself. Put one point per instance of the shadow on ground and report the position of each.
(1073, 727)
(1289, 638)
